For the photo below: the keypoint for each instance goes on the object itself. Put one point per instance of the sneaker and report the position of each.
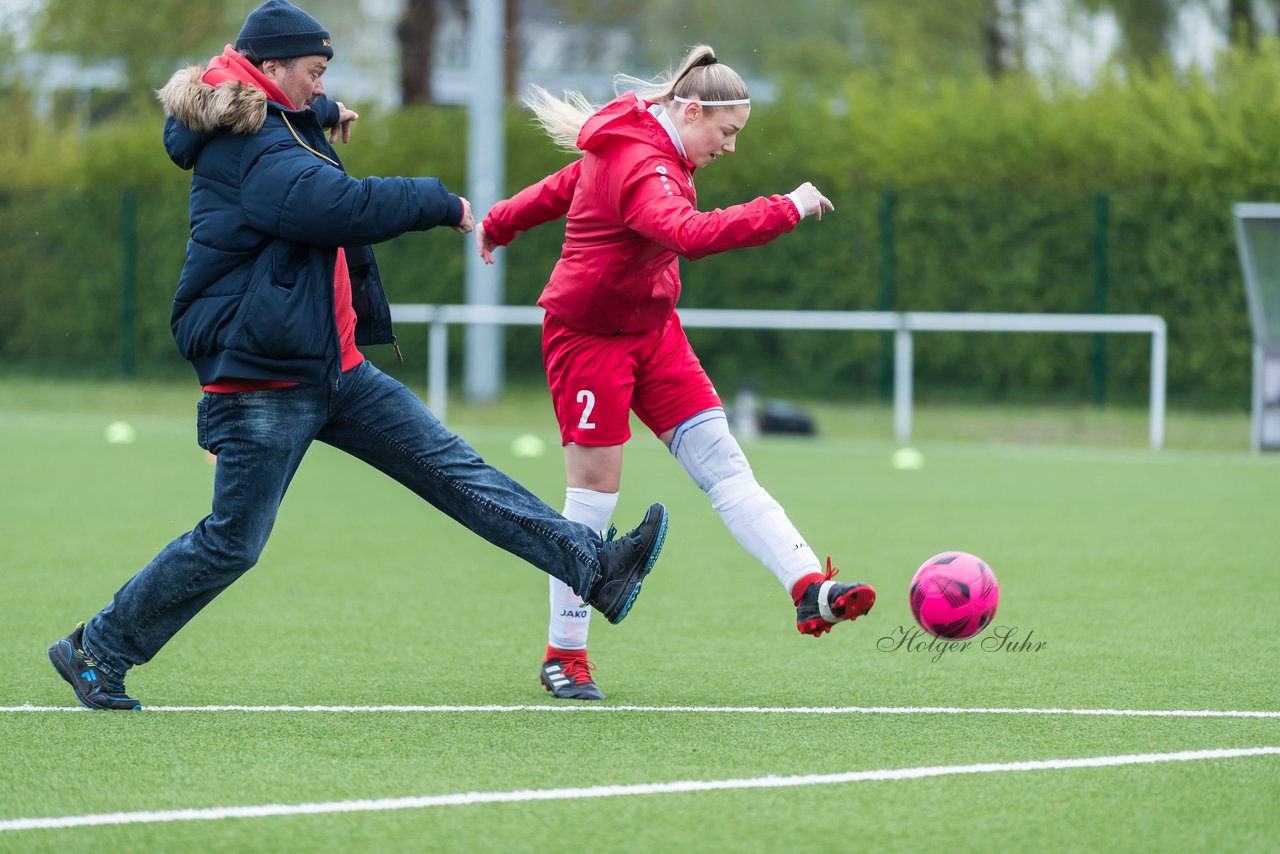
(825, 603)
(94, 689)
(569, 678)
(625, 562)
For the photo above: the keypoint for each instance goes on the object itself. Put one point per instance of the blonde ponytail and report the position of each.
(562, 119)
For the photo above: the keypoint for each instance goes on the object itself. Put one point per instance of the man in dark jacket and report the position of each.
(278, 290)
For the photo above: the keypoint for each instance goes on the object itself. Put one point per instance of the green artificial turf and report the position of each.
(1145, 581)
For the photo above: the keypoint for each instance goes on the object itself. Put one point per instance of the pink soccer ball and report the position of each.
(954, 595)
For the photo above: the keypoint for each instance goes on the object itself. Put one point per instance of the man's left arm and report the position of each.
(291, 192)
(335, 117)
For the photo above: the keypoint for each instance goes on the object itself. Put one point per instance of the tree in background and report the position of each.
(149, 37)
(812, 44)
(416, 33)
(1242, 25)
(821, 41)
(1146, 27)
(964, 38)
(1001, 36)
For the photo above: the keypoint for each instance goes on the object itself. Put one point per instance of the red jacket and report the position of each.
(632, 210)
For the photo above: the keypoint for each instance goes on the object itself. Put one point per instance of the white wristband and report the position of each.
(796, 202)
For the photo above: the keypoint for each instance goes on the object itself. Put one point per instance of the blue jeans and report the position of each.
(260, 438)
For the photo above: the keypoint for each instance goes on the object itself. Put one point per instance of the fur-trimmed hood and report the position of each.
(226, 95)
(235, 105)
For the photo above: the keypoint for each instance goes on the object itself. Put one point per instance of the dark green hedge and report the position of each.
(952, 196)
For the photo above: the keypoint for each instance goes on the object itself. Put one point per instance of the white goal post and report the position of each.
(1258, 247)
(902, 324)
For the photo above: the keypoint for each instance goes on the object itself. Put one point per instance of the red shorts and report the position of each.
(596, 380)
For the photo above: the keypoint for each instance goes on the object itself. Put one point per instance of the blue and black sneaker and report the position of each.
(94, 689)
(625, 562)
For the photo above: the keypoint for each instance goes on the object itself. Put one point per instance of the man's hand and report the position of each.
(468, 222)
(343, 127)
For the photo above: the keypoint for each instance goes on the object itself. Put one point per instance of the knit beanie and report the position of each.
(279, 30)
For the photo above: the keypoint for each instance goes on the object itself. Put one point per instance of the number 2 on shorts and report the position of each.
(589, 400)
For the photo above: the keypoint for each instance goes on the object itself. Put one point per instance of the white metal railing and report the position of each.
(902, 324)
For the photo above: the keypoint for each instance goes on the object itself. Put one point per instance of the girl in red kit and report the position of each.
(612, 340)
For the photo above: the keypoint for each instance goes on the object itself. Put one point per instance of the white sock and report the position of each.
(761, 526)
(570, 616)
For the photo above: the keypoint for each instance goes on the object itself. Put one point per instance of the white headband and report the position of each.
(738, 103)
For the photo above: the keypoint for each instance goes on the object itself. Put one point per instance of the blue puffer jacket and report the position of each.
(270, 205)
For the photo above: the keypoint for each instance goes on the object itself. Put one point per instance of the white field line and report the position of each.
(468, 798)
(743, 710)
